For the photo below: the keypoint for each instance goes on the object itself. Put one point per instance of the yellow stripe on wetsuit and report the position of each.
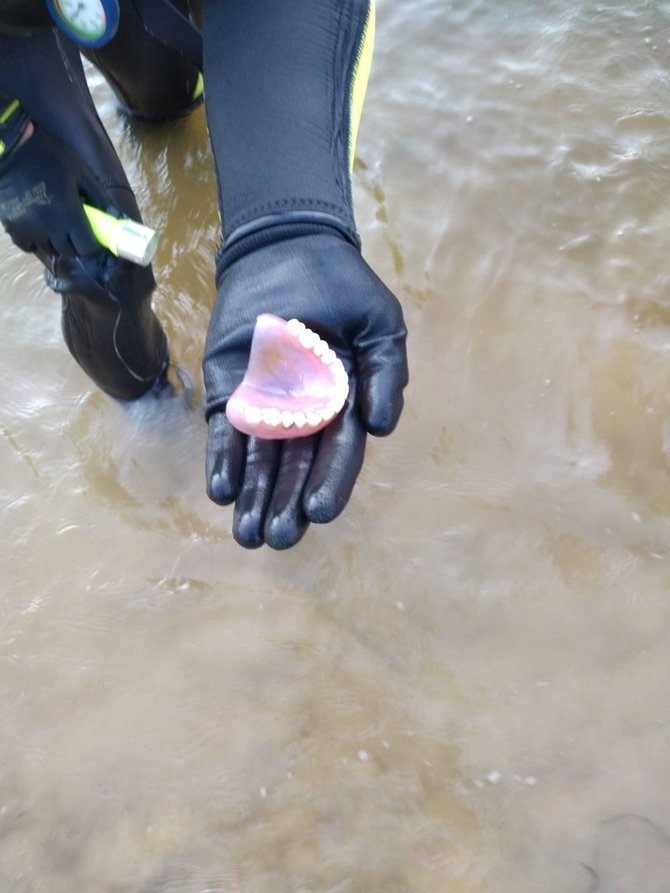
(359, 81)
(5, 115)
(9, 111)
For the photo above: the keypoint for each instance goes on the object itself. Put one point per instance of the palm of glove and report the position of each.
(279, 487)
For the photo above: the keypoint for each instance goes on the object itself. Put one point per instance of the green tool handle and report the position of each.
(122, 236)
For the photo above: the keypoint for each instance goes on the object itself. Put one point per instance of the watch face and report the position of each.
(85, 17)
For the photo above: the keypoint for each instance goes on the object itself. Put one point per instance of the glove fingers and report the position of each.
(286, 520)
(225, 455)
(338, 460)
(260, 471)
(383, 374)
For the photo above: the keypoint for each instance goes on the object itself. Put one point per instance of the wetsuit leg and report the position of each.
(109, 325)
(150, 79)
(108, 322)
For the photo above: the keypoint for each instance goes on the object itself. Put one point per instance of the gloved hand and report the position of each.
(279, 487)
(42, 187)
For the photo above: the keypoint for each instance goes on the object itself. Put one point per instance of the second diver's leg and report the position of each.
(108, 322)
(150, 79)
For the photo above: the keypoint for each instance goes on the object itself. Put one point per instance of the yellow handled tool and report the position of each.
(122, 236)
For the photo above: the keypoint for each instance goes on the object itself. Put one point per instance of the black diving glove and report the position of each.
(320, 278)
(42, 187)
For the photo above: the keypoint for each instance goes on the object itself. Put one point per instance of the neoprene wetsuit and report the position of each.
(108, 323)
(105, 299)
(285, 81)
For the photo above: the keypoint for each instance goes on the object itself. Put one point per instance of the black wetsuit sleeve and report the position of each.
(278, 80)
(44, 73)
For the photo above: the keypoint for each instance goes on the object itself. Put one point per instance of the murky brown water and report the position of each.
(461, 686)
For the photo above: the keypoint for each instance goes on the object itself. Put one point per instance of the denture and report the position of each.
(294, 385)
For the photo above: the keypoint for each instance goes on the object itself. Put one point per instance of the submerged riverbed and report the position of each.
(461, 685)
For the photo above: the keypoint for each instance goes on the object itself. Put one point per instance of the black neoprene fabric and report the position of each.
(279, 133)
(23, 16)
(44, 72)
(150, 79)
(107, 319)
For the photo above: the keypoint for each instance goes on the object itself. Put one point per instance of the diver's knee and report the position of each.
(151, 80)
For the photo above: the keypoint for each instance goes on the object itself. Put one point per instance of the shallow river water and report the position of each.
(461, 685)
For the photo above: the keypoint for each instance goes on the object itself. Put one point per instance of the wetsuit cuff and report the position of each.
(274, 228)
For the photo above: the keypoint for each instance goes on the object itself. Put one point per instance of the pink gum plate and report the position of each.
(294, 385)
